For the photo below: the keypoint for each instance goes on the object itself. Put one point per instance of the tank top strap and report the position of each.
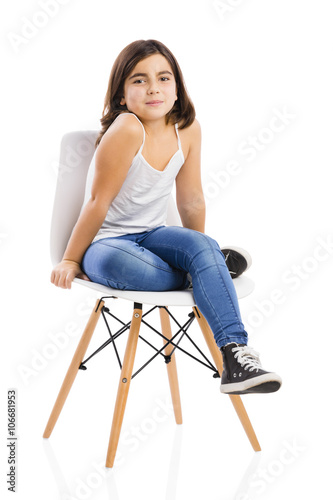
(144, 133)
(179, 143)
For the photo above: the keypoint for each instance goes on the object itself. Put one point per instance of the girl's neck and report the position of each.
(155, 127)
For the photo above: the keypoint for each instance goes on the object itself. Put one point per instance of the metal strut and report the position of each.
(182, 332)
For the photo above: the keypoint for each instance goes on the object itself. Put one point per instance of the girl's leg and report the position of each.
(214, 292)
(121, 263)
(160, 260)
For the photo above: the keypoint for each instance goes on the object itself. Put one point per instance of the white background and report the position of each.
(244, 62)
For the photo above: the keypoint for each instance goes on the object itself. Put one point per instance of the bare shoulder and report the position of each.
(127, 122)
(192, 133)
(114, 157)
(124, 131)
(192, 130)
(195, 127)
(191, 137)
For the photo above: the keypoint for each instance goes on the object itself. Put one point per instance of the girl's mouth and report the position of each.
(154, 103)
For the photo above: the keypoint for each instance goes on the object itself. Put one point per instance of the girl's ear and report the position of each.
(122, 101)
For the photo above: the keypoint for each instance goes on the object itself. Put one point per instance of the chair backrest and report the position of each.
(76, 152)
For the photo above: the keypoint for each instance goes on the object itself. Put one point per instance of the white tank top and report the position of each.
(142, 202)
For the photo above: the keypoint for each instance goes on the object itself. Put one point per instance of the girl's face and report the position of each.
(150, 89)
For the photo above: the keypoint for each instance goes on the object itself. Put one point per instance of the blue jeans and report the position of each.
(160, 260)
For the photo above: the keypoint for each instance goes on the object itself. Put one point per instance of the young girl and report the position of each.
(149, 139)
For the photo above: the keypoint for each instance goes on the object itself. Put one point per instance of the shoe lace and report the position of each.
(226, 257)
(247, 357)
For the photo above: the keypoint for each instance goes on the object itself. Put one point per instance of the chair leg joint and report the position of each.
(167, 359)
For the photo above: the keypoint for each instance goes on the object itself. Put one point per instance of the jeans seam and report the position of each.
(226, 291)
(139, 258)
(113, 281)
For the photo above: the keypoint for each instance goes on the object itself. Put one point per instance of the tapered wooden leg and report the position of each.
(235, 399)
(74, 367)
(171, 366)
(124, 384)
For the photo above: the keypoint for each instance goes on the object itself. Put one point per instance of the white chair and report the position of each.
(77, 149)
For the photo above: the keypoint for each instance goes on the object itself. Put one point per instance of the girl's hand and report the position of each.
(64, 273)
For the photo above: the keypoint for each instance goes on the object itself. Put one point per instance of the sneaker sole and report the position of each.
(263, 384)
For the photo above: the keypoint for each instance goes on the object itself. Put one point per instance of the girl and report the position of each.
(149, 139)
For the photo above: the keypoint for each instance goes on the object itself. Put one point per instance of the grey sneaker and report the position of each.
(242, 372)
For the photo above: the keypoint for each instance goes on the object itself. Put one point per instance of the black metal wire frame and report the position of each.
(182, 329)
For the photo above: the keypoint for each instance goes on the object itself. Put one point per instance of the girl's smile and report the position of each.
(154, 103)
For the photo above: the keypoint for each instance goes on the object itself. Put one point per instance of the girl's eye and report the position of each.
(163, 78)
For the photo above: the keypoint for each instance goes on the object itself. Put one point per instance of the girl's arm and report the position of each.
(189, 194)
(113, 159)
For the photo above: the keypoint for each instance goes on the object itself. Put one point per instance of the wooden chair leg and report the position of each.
(124, 384)
(171, 366)
(74, 367)
(235, 399)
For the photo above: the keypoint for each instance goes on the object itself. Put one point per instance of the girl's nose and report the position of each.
(153, 89)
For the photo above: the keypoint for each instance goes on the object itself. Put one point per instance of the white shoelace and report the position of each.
(226, 261)
(247, 357)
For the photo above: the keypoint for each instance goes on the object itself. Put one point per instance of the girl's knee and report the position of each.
(200, 241)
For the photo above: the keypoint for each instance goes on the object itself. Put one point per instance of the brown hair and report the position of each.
(183, 111)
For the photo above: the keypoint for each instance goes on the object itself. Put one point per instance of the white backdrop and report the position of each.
(259, 73)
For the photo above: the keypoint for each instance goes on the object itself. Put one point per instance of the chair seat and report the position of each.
(243, 285)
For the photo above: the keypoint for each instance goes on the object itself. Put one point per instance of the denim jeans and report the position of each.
(160, 260)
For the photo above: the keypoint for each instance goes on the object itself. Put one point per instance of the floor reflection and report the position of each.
(102, 475)
(107, 476)
(171, 489)
(244, 489)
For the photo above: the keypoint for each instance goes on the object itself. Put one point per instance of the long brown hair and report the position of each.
(183, 111)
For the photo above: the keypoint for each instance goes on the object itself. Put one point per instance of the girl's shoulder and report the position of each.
(192, 130)
(191, 134)
(190, 137)
(124, 132)
(195, 127)
(126, 121)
